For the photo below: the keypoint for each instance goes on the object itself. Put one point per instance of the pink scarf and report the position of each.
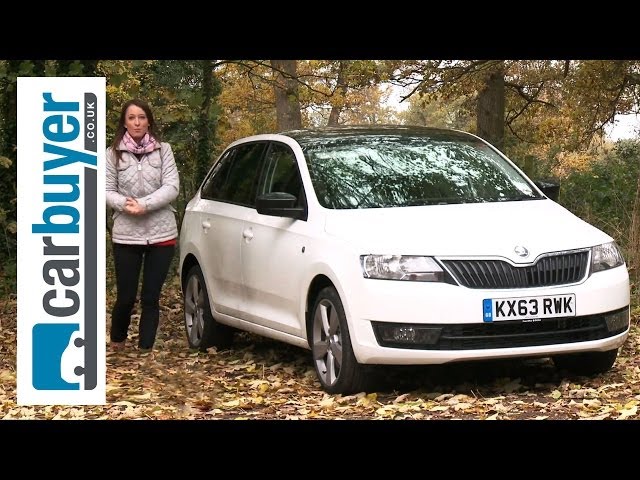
(146, 145)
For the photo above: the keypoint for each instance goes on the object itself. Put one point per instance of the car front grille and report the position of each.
(556, 269)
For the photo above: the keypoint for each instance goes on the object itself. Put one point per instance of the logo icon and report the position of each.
(521, 251)
(61, 241)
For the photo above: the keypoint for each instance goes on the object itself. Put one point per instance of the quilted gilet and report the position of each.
(154, 182)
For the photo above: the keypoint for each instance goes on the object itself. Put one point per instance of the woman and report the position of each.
(142, 181)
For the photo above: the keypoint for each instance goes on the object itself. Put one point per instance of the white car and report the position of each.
(396, 245)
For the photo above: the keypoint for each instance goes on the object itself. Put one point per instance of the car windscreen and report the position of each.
(376, 171)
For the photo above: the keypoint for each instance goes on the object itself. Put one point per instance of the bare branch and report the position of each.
(520, 89)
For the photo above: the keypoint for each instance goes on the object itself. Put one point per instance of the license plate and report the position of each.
(529, 308)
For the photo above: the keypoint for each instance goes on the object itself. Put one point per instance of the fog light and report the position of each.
(407, 334)
(404, 334)
(617, 321)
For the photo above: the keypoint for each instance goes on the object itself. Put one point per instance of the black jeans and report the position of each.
(127, 260)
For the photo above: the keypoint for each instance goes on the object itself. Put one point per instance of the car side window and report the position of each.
(281, 173)
(218, 177)
(236, 180)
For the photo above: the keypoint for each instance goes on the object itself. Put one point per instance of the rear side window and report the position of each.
(218, 177)
(235, 177)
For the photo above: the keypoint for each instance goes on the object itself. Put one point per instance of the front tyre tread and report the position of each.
(334, 360)
(197, 315)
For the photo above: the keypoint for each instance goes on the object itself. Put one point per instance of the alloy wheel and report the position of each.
(194, 308)
(327, 342)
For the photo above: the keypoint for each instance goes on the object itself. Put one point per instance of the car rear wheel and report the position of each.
(334, 361)
(201, 328)
(588, 363)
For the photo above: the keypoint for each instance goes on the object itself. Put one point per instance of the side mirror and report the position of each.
(280, 204)
(551, 188)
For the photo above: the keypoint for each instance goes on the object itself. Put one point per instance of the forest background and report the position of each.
(551, 117)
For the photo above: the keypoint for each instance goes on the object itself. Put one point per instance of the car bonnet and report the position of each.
(482, 229)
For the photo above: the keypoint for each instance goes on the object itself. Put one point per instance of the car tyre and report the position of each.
(201, 328)
(335, 363)
(588, 363)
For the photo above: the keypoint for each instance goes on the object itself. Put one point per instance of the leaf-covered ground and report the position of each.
(264, 379)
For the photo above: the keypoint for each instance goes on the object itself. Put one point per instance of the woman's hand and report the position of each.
(132, 207)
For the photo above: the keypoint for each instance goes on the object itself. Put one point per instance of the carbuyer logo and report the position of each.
(61, 241)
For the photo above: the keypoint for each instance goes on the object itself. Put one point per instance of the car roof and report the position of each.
(314, 134)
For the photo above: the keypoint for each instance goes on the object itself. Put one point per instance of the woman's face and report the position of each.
(136, 122)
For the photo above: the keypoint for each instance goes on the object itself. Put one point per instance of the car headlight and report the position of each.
(401, 267)
(605, 256)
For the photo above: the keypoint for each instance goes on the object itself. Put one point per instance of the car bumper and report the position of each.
(435, 304)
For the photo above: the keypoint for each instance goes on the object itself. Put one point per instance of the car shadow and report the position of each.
(486, 377)
(483, 377)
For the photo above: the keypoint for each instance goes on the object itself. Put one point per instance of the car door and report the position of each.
(273, 250)
(227, 198)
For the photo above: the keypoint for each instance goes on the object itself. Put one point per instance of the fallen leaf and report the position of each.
(628, 412)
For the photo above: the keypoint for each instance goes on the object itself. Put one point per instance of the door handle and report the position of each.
(247, 234)
(206, 225)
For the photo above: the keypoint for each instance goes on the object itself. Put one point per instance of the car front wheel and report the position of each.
(334, 361)
(201, 328)
(588, 363)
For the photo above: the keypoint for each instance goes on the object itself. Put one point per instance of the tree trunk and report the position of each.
(490, 110)
(633, 250)
(204, 142)
(288, 114)
(341, 88)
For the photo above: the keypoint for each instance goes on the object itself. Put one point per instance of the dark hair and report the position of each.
(120, 129)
